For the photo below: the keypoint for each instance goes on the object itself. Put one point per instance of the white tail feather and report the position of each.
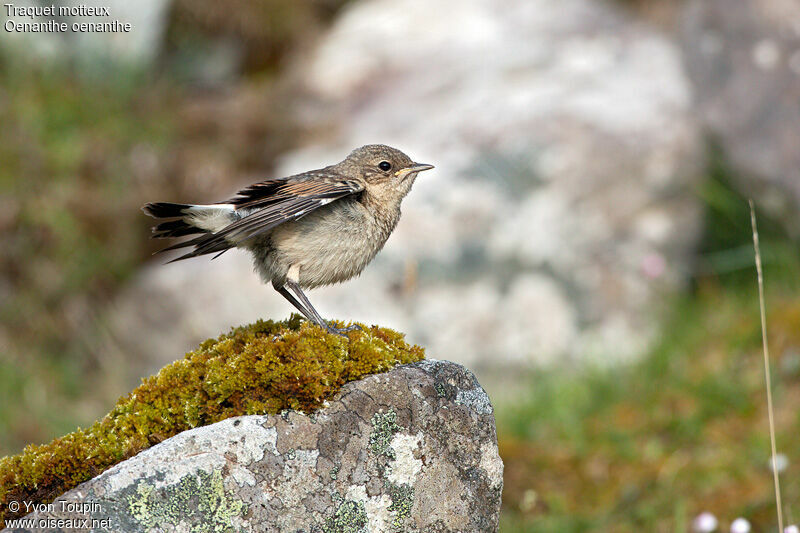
(210, 217)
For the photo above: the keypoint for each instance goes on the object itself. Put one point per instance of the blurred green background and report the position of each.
(644, 446)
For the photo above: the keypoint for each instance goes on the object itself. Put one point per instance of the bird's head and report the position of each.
(383, 167)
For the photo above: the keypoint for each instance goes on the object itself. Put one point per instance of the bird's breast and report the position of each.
(336, 242)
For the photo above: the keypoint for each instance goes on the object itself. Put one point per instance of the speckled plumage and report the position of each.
(311, 229)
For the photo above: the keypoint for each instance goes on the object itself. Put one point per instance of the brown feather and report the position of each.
(273, 202)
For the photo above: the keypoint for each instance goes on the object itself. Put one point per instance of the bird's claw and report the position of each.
(342, 331)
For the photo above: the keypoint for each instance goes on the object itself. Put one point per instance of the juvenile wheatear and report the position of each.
(316, 228)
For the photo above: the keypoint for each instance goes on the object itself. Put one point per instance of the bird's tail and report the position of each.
(188, 219)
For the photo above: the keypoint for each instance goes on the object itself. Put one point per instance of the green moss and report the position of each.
(198, 499)
(261, 368)
(350, 517)
(384, 426)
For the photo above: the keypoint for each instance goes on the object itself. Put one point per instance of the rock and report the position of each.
(413, 449)
(743, 60)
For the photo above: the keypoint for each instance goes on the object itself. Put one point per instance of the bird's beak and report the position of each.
(416, 167)
(419, 167)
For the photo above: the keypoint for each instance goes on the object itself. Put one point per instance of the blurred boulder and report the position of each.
(743, 59)
(560, 210)
(565, 146)
(414, 449)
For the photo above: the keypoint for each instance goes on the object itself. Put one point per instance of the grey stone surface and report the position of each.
(561, 208)
(413, 449)
(743, 59)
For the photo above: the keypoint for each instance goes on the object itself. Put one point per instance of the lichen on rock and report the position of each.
(202, 494)
(350, 517)
(384, 426)
(255, 369)
(402, 500)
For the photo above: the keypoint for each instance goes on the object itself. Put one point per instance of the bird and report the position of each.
(307, 230)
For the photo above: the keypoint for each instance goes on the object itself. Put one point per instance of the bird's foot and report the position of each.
(342, 331)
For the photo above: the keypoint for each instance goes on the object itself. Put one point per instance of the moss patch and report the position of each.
(255, 369)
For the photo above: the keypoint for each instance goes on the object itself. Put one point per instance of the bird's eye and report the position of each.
(385, 166)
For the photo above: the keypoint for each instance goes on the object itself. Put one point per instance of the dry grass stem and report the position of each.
(770, 410)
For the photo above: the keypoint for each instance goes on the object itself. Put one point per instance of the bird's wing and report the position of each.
(270, 203)
(272, 191)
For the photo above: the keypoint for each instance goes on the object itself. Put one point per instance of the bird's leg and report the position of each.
(315, 316)
(310, 313)
(302, 303)
(292, 300)
(317, 319)
(293, 282)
